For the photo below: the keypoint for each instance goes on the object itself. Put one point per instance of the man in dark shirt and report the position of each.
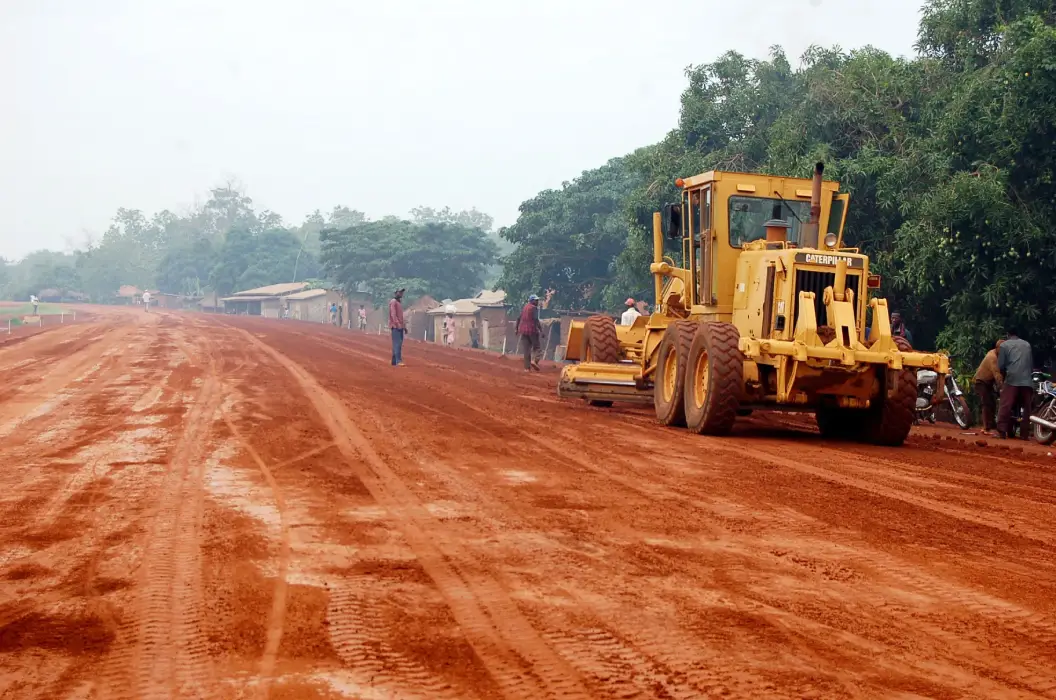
(397, 327)
(530, 330)
(1016, 364)
(898, 327)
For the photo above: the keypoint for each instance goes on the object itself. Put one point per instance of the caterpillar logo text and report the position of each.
(827, 259)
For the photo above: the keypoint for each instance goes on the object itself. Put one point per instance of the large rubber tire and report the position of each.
(714, 379)
(600, 343)
(670, 378)
(890, 419)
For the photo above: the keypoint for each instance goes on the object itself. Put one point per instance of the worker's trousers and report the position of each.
(988, 401)
(1011, 397)
(530, 349)
(397, 346)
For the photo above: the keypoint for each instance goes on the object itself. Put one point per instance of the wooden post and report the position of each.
(503, 346)
(62, 317)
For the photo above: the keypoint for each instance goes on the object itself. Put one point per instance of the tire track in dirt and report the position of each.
(277, 615)
(687, 677)
(358, 633)
(494, 627)
(45, 394)
(1036, 626)
(169, 656)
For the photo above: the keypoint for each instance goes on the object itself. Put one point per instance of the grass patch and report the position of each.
(26, 309)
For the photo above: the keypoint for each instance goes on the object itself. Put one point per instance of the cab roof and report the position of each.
(751, 182)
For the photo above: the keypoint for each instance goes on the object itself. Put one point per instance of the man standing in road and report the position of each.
(362, 318)
(1015, 361)
(146, 301)
(632, 312)
(397, 327)
(35, 302)
(988, 381)
(531, 330)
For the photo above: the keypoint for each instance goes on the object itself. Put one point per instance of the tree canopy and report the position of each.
(226, 245)
(432, 255)
(948, 157)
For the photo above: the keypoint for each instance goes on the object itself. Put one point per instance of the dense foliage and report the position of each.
(432, 255)
(226, 245)
(948, 157)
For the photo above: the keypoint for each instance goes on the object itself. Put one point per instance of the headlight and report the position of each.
(830, 240)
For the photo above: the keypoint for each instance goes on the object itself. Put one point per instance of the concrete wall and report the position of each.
(271, 308)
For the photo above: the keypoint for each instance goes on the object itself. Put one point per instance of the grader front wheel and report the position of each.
(669, 381)
(600, 343)
(714, 379)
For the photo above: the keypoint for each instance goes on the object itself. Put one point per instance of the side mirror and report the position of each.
(672, 220)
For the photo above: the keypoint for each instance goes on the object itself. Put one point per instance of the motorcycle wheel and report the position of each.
(1042, 435)
(961, 413)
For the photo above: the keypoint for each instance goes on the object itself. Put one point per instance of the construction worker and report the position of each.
(898, 327)
(632, 312)
(397, 327)
(988, 382)
(530, 330)
(1015, 361)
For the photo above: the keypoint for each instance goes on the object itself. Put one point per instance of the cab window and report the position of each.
(749, 214)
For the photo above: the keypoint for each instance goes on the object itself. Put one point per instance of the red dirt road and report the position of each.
(217, 507)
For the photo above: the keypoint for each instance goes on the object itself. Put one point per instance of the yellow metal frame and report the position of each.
(796, 352)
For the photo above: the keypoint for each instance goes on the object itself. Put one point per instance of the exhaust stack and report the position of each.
(811, 230)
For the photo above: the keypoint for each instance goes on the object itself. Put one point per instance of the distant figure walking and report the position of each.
(397, 327)
(35, 302)
(362, 318)
(1015, 361)
(474, 334)
(450, 329)
(333, 314)
(146, 301)
(530, 330)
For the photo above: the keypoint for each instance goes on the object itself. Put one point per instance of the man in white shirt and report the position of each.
(628, 316)
(35, 302)
(146, 301)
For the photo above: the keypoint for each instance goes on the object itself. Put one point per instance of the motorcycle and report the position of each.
(927, 383)
(1044, 410)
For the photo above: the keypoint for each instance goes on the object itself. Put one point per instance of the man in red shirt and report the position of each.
(397, 327)
(530, 330)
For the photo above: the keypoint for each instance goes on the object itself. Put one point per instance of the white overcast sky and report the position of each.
(380, 106)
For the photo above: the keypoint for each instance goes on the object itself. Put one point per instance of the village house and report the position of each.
(265, 301)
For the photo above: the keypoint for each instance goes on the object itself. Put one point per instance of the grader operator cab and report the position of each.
(766, 310)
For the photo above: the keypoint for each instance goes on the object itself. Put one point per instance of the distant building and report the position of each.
(314, 305)
(487, 309)
(262, 301)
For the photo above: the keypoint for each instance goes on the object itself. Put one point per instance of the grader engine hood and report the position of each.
(823, 295)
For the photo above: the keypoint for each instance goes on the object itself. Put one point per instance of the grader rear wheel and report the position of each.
(714, 379)
(600, 343)
(669, 380)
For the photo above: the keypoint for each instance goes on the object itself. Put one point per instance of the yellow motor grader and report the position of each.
(765, 310)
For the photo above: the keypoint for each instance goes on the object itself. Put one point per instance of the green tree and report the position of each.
(568, 240)
(439, 259)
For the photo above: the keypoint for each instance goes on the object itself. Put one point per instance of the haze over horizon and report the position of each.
(377, 107)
